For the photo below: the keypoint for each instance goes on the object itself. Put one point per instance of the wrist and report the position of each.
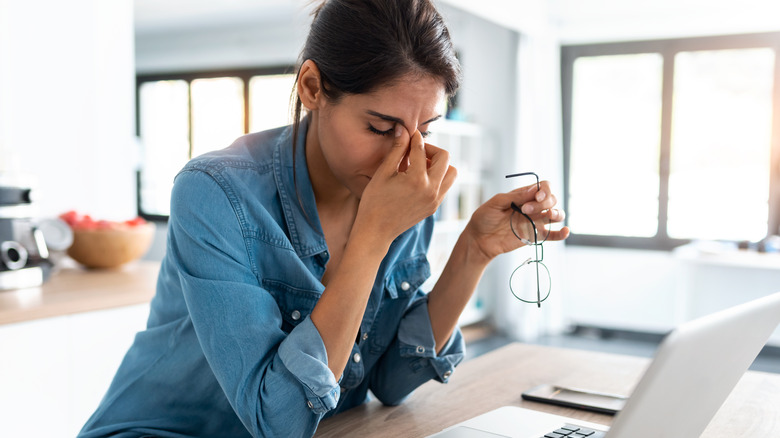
(473, 250)
(367, 239)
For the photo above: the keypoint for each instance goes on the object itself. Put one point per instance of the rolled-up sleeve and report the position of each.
(304, 355)
(412, 358)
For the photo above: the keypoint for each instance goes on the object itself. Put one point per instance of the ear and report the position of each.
(309, 85)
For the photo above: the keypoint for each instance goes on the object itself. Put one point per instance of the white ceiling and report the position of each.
(572, 19)
(152, 16)
(594, 20)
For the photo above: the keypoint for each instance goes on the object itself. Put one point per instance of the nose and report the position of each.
(410, 130)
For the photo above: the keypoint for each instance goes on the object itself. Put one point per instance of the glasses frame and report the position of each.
(537, 245)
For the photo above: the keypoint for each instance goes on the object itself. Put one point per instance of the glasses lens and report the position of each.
(530, 282)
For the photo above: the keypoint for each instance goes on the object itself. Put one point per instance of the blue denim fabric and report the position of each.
(229, 348)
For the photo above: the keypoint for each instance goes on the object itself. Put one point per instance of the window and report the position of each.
(671, 140)
(181, 116)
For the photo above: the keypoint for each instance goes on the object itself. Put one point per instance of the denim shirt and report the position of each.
(230, 349)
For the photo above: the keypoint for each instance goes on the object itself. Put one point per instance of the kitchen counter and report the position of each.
(73, 289)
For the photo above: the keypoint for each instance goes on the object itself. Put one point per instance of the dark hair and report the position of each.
(360, 45)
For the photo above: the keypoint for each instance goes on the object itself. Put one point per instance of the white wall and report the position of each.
(585, 21)
(67, 111)
(246, 45)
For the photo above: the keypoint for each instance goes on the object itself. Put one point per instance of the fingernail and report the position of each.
(528, 209)
(540, 195)
(398, 129)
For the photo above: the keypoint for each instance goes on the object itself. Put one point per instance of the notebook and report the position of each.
(694, 370)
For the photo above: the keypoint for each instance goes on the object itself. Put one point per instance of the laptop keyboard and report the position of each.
(572, 431)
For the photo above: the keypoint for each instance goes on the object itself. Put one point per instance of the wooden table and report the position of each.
(73, 289)
(497, 379)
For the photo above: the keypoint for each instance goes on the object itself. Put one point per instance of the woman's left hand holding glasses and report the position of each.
(489, 229)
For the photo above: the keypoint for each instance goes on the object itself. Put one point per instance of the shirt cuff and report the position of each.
(303, 354)
(415, 337)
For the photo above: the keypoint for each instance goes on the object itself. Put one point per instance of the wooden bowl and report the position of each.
(110, 247)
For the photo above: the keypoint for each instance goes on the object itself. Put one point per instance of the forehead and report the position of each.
(407, 97)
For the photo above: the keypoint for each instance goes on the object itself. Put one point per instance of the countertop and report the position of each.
(74, 289)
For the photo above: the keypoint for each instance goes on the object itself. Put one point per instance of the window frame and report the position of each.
(668, 49)
(245, 74)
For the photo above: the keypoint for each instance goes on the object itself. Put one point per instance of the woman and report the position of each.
(290, 285)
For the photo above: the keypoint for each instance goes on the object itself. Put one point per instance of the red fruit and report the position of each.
(136, 221)
(78, 221)
(86, 223)
(70, 217)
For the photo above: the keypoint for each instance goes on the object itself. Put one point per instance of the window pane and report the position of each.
(615, 144)
(217, 113)
(719, 182)
(269, 101)
(164, 124)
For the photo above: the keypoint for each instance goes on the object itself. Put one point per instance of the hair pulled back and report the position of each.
(361, 45)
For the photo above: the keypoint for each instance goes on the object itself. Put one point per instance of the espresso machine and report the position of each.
(24, 256)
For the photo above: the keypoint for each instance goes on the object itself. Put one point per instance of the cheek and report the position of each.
(367, 155)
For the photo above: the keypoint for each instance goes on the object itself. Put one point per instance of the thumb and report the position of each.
(397, 153)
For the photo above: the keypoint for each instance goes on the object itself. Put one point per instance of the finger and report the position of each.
(447, 181)
(556, 215)
(551, 216)
(404, 162)
(524, 194)
(557, 235)
(417, 158)
(440, 162)
(397, 153)
(503, 201)
(535, 207)
(537, 196)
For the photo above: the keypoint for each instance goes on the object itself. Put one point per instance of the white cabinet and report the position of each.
(654, 291)
(716, 278)
(54, 371)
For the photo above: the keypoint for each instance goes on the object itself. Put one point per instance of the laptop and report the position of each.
(693, 372)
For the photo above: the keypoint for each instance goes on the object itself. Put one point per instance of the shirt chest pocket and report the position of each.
(407, 276)
(295, 304)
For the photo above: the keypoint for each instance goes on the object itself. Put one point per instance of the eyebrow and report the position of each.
(398, 120)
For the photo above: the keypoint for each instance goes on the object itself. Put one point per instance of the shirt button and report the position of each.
(365, 336)
(447, 375)
(310, 404)
(356, 357)
(295, 315)
(420, 349)
(405, 286)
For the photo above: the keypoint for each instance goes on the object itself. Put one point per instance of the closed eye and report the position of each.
(390, 131)
(378, 132)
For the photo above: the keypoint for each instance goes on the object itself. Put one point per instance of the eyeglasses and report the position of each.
(524, 228)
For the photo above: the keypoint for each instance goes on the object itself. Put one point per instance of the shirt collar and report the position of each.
(299, 206)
